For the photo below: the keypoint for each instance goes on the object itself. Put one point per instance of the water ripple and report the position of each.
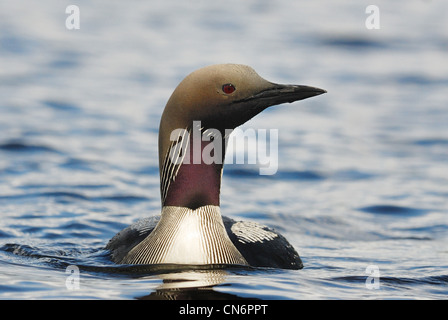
(66, 196)
(20, 146)
(394, 210)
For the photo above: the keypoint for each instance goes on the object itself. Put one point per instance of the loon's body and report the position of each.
(190, 229)
(253, 244)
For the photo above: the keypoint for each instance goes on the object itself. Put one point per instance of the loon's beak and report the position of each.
(280, 93)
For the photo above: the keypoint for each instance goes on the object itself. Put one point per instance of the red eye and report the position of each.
(228, 88)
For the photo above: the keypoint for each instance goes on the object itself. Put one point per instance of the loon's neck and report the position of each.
(187, 236)
(191, 170)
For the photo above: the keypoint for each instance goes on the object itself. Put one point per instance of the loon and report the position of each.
(190, 229)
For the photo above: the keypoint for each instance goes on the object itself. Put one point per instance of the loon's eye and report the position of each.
(228, 88)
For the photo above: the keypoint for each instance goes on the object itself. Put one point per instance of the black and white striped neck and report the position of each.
(187, 179)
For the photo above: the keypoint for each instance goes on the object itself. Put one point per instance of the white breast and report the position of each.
(186, 236)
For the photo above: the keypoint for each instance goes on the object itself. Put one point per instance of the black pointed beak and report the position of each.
(273, 94)
(281, 93)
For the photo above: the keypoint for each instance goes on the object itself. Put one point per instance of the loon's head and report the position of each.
(224, 96)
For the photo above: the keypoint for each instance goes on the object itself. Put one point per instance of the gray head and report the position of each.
(224, 96)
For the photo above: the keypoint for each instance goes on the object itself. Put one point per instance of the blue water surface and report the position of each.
(362, 179)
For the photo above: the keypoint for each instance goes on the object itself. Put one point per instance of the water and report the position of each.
(362, 171)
